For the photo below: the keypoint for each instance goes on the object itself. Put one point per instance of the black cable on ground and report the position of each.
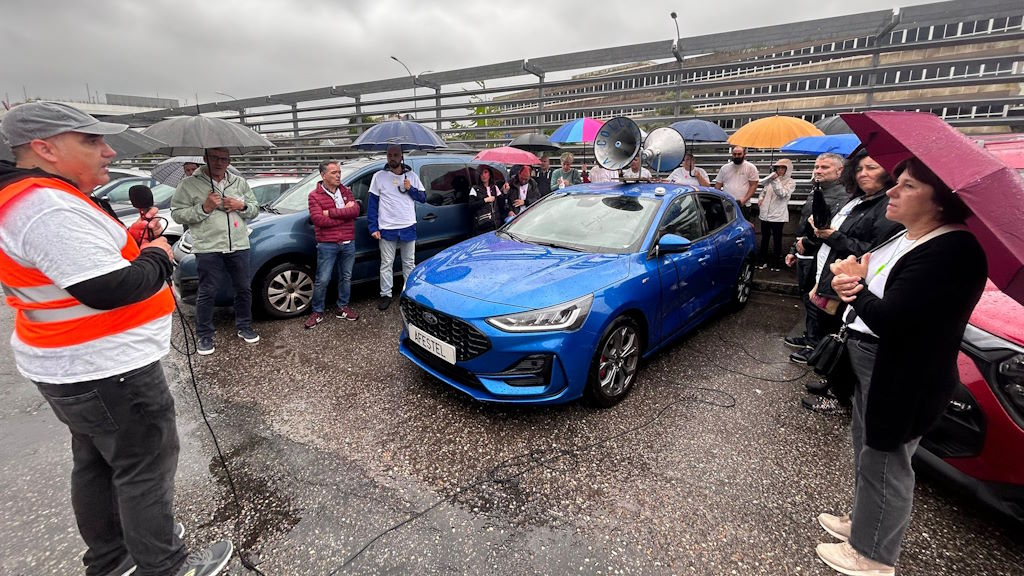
(535, 459)
(190, 338)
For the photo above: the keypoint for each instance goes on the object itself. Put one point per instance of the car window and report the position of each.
(267, 192)
(587, 222)
(297, 197)
(683, 218)
(119, 194)
(714, 212)
(361, 190)
(446, 184)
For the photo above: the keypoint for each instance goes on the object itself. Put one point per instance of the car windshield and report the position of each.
(295, 199)
(586, 222)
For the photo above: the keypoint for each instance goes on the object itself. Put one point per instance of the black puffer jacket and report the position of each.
(865, 227)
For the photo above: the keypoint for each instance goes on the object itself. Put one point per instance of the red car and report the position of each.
(979, 441)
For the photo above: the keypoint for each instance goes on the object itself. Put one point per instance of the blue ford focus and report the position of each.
(564, 301)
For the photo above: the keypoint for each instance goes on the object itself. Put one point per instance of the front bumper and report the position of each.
(516, 368)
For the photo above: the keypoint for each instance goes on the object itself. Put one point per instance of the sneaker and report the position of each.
(800, 357)
(384, 302)
(822, 404)
(842, 558)
(837, 526)
(127, 565)
(820, 387)
(346, 313)
(799, 342)
(249, 335)
(314, 319)
(205, 346)
(207, 562)
(762, 266)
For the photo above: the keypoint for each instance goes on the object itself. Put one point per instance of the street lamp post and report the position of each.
(679, 59)
(241, 111)
(413, 78)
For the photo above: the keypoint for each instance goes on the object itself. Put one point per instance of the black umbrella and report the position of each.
(127, 144)
(833, 125)
(534, 143)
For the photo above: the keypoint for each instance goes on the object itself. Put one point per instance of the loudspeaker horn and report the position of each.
(617, 143)
(663, 149)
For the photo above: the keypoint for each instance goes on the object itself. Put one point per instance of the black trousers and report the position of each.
(216, 268)
(125, 448)
(772, 231)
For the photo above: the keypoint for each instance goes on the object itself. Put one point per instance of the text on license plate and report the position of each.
(435, 346)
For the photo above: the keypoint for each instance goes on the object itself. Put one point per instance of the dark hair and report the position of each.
(952, 209)
(485, 168)
(849, 175)
(687, 153)
(325, 164)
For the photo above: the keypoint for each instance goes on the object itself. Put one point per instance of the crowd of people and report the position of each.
(888, 262)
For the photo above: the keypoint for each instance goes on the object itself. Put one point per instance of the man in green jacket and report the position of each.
(215, 204)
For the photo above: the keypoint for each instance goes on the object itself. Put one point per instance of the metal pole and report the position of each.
(679, 60)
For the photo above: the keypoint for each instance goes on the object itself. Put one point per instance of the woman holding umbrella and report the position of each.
(486, 202)
(910, 300)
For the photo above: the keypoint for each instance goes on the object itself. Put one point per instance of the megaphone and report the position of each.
(617, 143)
(663, 149)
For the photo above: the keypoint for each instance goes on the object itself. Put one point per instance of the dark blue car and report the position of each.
(283, 251)
(566, 299)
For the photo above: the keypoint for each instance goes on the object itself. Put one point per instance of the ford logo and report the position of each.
(429, 318)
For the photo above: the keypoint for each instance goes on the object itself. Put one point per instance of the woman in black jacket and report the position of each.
(486, 202)
(911, 300)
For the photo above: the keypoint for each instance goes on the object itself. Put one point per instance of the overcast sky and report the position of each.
(177, 48)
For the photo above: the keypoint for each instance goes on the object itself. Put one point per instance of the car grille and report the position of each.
(468, 341)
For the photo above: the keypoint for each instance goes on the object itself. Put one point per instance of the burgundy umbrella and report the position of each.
(992, 190)
(507, 155)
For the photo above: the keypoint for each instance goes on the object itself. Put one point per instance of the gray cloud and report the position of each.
(176, 48)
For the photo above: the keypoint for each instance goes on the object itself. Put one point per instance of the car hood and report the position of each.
(998, 314)
(523, 275)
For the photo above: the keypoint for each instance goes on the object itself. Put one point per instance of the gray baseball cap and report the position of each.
(39, 120)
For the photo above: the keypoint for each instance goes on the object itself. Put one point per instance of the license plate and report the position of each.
(435, 346)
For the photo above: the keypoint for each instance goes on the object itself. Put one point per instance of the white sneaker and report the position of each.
(837, 526)
(842, 558)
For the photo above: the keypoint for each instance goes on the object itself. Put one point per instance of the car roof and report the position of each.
(274, 179)
(663, 190)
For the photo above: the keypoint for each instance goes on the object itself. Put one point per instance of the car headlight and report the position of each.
(567, 316)
(1011, 381)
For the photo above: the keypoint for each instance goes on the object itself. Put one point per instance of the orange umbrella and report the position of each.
(773, 132)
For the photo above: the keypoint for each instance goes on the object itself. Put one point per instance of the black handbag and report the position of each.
(829, 356)
(485, 219)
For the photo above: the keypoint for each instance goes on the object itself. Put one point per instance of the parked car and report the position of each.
(978, 442)
(116, 173)
(283, 251)
(269, 188)
(566, 299)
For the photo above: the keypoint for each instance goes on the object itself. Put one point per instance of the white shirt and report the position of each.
(682, 176)
(736, 178)
(837, 221)
(70, 241)
(339, 199)
(882, 260)
(644, 173)
(599, 174)
(396, 209)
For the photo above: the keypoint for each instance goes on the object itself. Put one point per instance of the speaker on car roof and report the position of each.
(663, 149)
(617, 142)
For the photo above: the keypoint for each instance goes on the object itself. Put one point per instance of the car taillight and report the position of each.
(1010, 377)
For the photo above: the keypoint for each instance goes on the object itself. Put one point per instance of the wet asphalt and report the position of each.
(347, 459)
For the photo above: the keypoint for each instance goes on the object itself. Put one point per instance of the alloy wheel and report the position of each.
(619, 360)
(290, 291)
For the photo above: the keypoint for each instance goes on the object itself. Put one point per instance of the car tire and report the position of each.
(286, 290)
(616, 362)
(744, 284)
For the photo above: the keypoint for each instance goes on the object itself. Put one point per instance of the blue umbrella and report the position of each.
(700, 130)
(409, 135)
(843, 144)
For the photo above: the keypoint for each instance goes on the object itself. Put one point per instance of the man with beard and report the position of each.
(391, 218)
(739, 178)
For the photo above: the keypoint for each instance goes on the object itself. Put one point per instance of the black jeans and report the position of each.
(805, 269)
(771, 230)
(214, 269)
(124, 443)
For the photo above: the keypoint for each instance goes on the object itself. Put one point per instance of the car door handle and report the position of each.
(704, 260)
(430, 217)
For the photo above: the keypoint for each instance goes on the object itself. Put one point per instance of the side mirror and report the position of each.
(673, 244)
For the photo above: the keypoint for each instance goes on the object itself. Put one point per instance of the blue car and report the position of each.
(282, 250)
(565, 300)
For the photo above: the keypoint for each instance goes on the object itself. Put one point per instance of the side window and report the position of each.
(361, 190)
(682, 218)
(714, 212)
(730, 211)
(119, 194)
(446, 184)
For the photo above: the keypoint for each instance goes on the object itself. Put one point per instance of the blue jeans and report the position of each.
(124, 443)
(328, 266)
(214, 269)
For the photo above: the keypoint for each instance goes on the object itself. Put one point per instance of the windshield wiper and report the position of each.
(267, 207)
(513, 236)
(554, 245)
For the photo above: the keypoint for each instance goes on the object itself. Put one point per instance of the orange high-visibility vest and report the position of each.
(48, 316)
